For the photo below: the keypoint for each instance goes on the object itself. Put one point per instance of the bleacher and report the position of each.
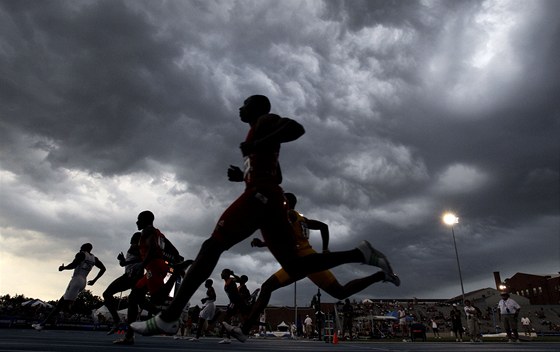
(545, 319)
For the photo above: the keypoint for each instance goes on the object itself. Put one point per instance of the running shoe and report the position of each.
(374, 257)
(235, 331)
(225, 342)
(392, 278)
(37, 327)
(124, 341)
(194, 339)
(155, 326)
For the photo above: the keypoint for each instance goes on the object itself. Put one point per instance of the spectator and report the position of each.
(509, 312)
(456, 323)
(348, 313)
(471, 313)
(526, 322)
(308, 326)
(403, 323)
(435, 329)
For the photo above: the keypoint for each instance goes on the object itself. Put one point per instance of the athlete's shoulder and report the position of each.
(149, 231)
(269, 117)
(293, 215)
(267, 121)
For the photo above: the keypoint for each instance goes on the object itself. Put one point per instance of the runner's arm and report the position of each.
(80, 256)
(324, 228)
(102, 270)
(285, 130)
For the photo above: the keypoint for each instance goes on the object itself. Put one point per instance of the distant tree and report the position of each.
(86, 302)
(14, 301)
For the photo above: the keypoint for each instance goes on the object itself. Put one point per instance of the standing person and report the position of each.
(348, 314)
(435, 329)
(156, 268)
(82, 264)
(509, 312)
(403, 324)
(262, 324)
(472, 316)
(308, 322)
(261, 206)
(456, 323)
(133, 271)
(526, 322)
(185, 324)
(208, 309)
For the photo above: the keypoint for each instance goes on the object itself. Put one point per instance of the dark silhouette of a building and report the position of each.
(538, 289)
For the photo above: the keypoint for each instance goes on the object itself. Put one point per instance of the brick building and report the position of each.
(538, 289)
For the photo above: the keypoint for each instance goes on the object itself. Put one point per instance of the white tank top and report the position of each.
(85, 266)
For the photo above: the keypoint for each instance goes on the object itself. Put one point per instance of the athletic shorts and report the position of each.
(208, 311)
(322, 278)
(258, 208)
(156, 271)
(75, 286)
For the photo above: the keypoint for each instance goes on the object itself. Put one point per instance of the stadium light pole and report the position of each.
(294, 333)
(450, 219)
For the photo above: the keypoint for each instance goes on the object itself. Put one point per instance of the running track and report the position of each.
(98, 341)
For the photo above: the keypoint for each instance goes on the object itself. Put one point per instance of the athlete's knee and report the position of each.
(107, 296)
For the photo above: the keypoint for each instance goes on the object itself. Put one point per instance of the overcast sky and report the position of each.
(411, 109)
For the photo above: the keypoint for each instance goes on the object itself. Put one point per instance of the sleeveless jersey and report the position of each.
(230, 287)
(261, 167)
(83, 269)
(133, 257)
(301, 230)
(151, 237)
(244, 294)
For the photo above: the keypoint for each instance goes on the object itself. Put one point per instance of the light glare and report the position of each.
(450, 219)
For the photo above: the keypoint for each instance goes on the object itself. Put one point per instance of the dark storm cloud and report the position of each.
(101, 82)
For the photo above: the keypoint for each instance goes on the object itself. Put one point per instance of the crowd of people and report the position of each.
(461, 322)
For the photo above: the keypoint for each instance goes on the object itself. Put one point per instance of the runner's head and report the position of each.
(208, 283)
(226, 273)
(291, 199)
(86, 247)
(145, 219)
(253, 107)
